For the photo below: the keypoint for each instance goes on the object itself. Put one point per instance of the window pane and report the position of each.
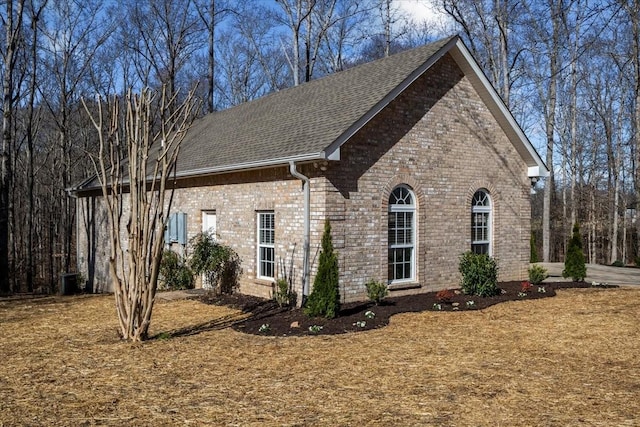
(401, 229)
(266, 240)
(481, 198)
(480, 248)
(266, 262)
(481, 223)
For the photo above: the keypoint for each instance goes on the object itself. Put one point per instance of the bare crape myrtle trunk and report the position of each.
(138, 150)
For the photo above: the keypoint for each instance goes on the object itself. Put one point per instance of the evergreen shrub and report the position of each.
(479, 274)
(537, 274)
(533, 256)
(574, 263)
(376, 291)
(325, 296)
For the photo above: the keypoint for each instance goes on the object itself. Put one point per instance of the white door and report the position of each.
(208, 226)
(209, 222)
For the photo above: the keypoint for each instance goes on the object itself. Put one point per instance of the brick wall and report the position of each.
(236, 199)
(438, 137)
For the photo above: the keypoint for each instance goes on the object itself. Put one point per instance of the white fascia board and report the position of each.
(495, 103)
(332, 155)
(360, 123)
(262, 164)
(535, 172)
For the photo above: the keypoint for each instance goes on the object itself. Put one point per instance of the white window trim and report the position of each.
(260, 245)
(213, 230)
(488, 210)
(393, 208)
(205, 215)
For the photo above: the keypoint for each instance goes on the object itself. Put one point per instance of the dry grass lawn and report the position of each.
(563, 361)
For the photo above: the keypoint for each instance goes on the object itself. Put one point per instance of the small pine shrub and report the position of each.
(537, 274)
(533, 257)
(574, 264)
(325, 296)
(220, 264)
(445, 295)
(617, 263)
(376, 291)
(479, 274)
(175, 274)
(282, 293)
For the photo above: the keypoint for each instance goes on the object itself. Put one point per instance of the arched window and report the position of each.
(402, 228)
(481, 223)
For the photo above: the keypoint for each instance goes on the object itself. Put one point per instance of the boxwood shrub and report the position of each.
(479, 274)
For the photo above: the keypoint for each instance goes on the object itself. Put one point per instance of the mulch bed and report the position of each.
(267, 318)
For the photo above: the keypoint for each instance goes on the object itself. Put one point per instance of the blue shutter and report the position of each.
(173, 228)
(181, 228)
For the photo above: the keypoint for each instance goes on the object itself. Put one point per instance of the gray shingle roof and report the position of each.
(299, 122)
(312, 120)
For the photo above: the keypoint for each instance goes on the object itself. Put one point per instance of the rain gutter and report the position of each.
(306, 188)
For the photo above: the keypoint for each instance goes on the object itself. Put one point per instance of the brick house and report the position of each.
(413, 158)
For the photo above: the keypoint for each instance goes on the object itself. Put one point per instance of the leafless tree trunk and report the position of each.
(164, 36)
(13, 26)
(31, 133)
(210, 12)
(297, 12)
(137, 193)
(550, 122)
(632, 9)
(386, 19)
(488, 27)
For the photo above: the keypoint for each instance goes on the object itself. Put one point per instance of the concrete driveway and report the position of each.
(620, 276)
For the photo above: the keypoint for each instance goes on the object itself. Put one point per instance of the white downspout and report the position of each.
(306, 188)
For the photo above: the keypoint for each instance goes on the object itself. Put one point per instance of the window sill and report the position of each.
(264, 281)
(403, 286)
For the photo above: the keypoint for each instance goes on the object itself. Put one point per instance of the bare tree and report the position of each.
(137, 194)
(309, 23)
(395, 24)
(545, 36)
(164, 36)
(74, 34)
(254, 32)
(297, 12)
(31, 130)
(631, 17)
(12, 22)
(211, 12)
(489, 27)
(343, 37)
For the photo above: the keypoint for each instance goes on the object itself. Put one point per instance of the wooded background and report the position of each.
(569, 70)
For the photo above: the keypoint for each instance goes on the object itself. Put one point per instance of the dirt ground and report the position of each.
(267, 318)
(563, 361)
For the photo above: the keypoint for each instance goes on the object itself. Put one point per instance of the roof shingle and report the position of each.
(297, 122)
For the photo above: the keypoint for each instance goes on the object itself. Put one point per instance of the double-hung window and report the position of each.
(401, 228)
(266, 248)
(481, 223)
